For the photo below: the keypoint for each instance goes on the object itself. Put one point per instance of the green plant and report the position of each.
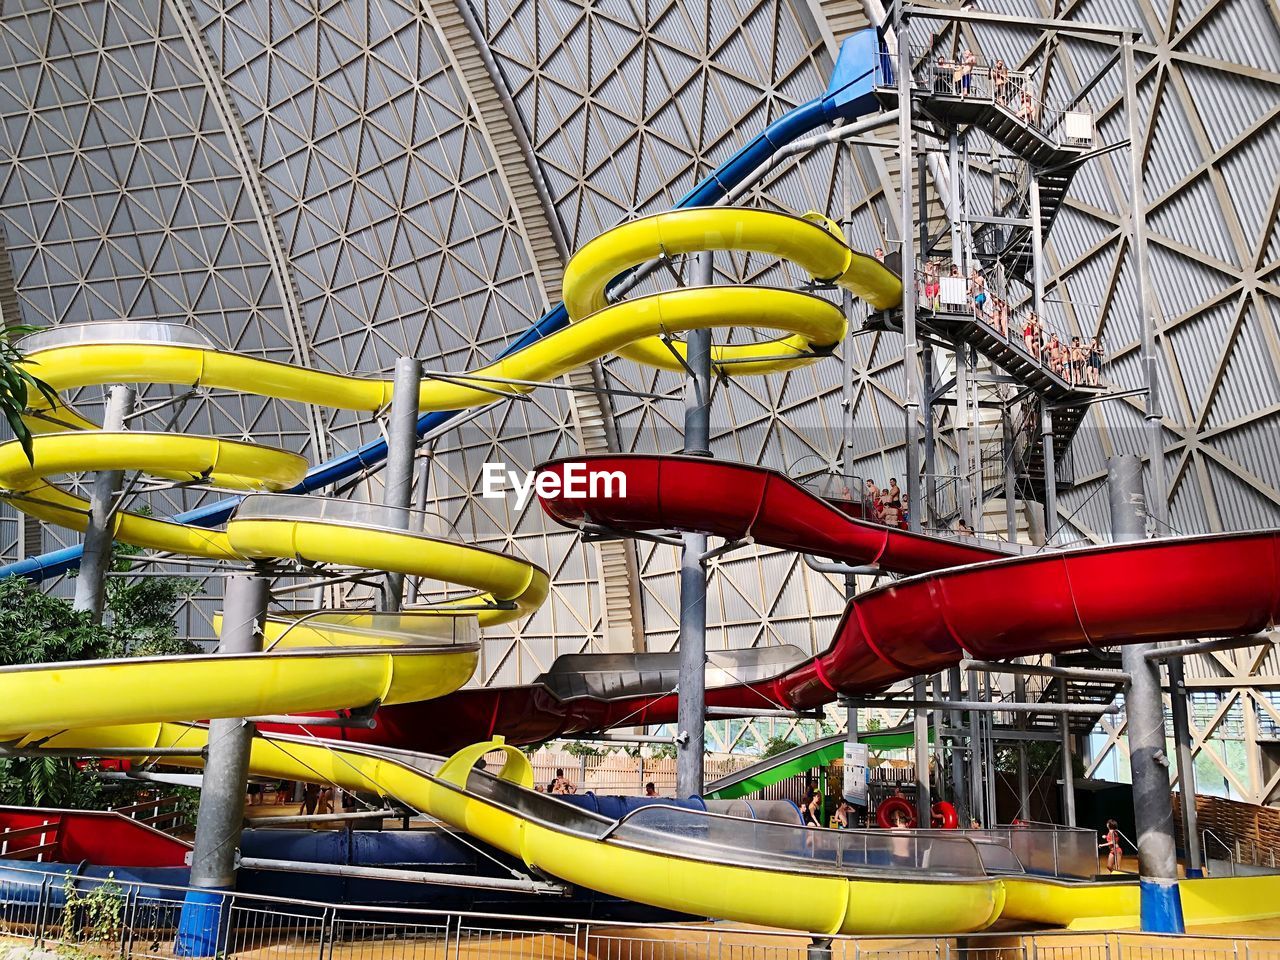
(188, 803)
(576, 748)
(36, 627)
(16, 384)
(95, 915)
(776, 745)
(663, 751)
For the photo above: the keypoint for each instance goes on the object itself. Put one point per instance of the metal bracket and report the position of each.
(724, 548)
(595, 532)
(668, 342)
(361, 718)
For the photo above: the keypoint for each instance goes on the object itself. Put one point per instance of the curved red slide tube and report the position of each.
(1173, 589)
(735, 500)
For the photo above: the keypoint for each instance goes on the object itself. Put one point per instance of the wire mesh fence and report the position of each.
(110, 919)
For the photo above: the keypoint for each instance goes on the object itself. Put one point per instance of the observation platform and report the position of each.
(955, 322)
(1006, 105)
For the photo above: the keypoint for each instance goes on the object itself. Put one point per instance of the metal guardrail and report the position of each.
(163, 813)
(114, 920)
(1235, 852)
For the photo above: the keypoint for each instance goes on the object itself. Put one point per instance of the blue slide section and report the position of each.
(849, 95)
(201, 931)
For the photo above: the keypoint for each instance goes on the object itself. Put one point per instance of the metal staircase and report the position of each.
(1042, 147)
(1094, 692)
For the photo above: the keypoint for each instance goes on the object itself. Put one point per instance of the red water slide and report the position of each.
(736, 500)
(1171, 589)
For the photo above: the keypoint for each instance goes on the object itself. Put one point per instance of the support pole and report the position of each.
(977, 763)
(1161, 904)
(929, 509)
(924, 799)
(691, 714)
(421, 487)
(1158, 505)
(91, 582)
(402, 444)
(964, 495)
(975, 447)
(959, 775)
(1024, 779)
(203, 920)
(1068, 768)
(1186, 765)
(1050, 475)
(1010, 477)
(910, 345)
(953, 206)
(1046, 416)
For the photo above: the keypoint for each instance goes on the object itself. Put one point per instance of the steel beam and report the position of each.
(691, 719)
(989, 706)
(203, 922)
(515, 884)
(1161, 905)
(402, 445)
(1158, 504)
(907, 252)
(1043, 670)
(96, 561)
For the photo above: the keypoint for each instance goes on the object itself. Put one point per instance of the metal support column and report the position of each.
(975, 447)
(213, 861)
(402, 444)
(978, 762)
(1144, 712)
(959, 774)
(91, 582)
(1050, 475)
(964, 495)
(1046, 417)
(924, 799)
(692, 702)
(1186, 766)
(910, 346)
(1010, 477)
(1068, 768)
(1024, 778)
(1158, 505)
(421, 488)
(953, 205)
(928, 515)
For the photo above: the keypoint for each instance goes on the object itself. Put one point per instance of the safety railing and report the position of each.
(968, 76)
(163, 813)
(1236, 852)
(116, 920)
(1072, 359)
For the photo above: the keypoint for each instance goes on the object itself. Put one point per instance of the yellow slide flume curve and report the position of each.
(95, 354)
(775, 897)
(769, 895)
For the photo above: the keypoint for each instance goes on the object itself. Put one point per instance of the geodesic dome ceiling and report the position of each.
(336, 184)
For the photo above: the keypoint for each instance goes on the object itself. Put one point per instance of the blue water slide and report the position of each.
(850, 94)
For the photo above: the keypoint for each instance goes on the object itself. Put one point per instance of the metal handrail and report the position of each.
(1013, 335)
(146, 914)
(1204, 848)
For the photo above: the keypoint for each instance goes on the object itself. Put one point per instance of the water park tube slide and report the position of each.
(1171, 589)
(699, 865)
(850, 94)
(821, 881)
(799, 759)
(93, 846)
